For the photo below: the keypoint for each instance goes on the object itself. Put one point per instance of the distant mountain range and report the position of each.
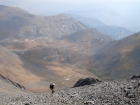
(113, 31)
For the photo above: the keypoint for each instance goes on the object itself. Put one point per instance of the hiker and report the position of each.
(52, 87)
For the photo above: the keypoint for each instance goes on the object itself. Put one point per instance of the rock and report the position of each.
(138, 83)
(130, 95)
(26, 104)
(12, 82)
(89, 103)
(135, 76)
(130, 87)
(87, 81)
(127, 91)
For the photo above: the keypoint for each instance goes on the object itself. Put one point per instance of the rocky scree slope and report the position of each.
(118, 92)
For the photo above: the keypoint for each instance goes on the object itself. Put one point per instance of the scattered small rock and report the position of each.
(118, 92)
(89, 103)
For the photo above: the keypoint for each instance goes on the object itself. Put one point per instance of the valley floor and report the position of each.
(118, 92)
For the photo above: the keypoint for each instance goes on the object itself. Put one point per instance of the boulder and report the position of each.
(135, 76)
(87, 81)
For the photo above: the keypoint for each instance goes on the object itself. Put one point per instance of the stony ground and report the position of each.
(119, 92)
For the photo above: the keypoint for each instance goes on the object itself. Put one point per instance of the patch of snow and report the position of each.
(67, 79)
(26, 40)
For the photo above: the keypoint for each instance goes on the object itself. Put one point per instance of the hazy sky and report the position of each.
(62, 1)
(112, 12)
(39, 6)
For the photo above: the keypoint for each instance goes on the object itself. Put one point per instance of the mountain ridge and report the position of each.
(20, 23)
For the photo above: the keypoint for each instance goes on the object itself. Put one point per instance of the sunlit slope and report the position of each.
(12, 67)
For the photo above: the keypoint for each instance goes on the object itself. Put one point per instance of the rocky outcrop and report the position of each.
(12, 82)
(87, 81)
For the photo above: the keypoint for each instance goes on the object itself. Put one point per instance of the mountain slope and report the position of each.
(12, 67)
(89, 39)
(115, 32)
(89, 22)
(120, 60)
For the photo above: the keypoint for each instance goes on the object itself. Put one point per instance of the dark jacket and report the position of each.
(51, 86)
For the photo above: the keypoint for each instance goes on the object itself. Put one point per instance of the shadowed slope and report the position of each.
(121, 59)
